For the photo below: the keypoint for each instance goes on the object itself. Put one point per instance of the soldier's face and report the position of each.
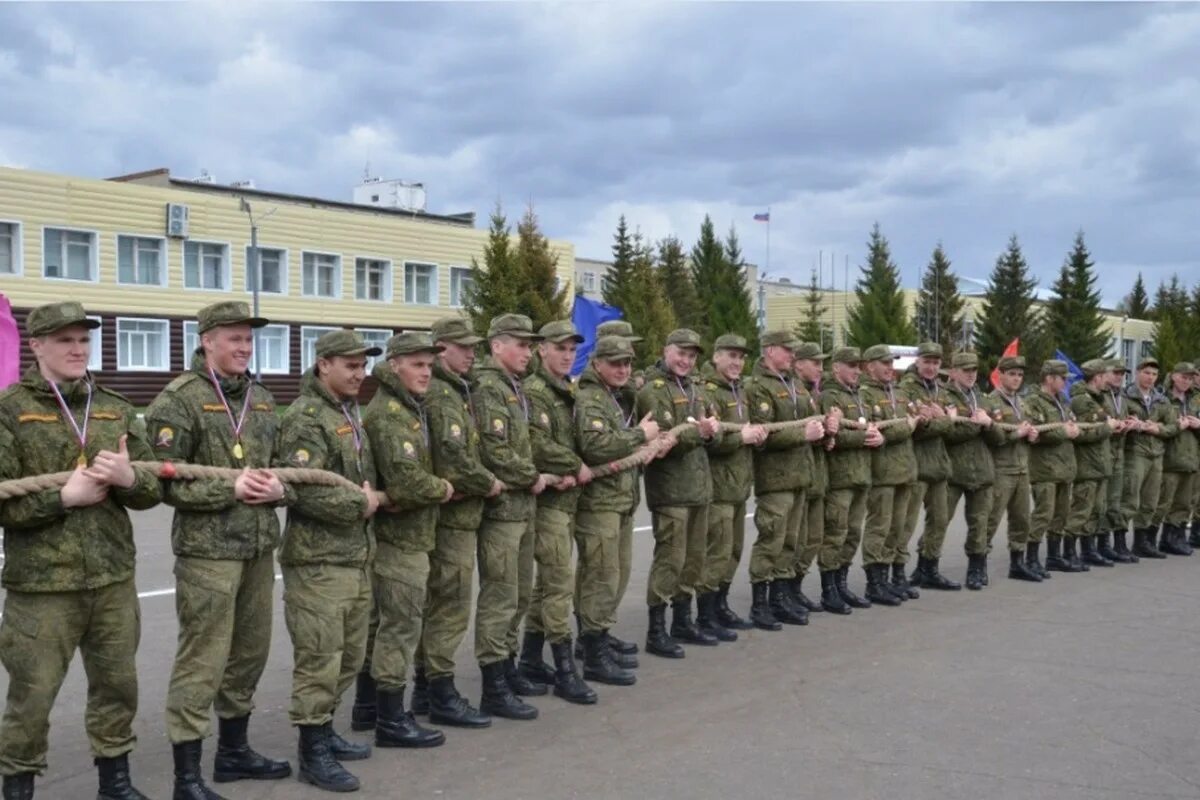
(1116, 379)
(965, 378)
(881, 371)
(414, 370)
(777, 357)
(928, 366)
(729, 363)
(63, 354)
(457, 358)
(512, 354)
(1146, 377)
(614, 373)
(680, 360)
(1181, 382)
(343, 375)
(558, 357)
(808, 369)
(1012, 379)
(228, 348)
(846, 373)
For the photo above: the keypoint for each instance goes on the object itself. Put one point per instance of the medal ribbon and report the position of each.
(355, 421)
(516, 387)
(240, 422)
(1012, 401)
(80, 432)
(626, 419)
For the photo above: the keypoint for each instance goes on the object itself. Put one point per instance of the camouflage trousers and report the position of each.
(1115, 519)
(224, 610)
(327, 610)
(1051, 507)
(680, 544)
(448, 598)
(505, 586)
(1142, 486)
(604, 563)
(726, 535)
(38, 638)
(931, 496)
(845, 510)
(554, 585)
(773, 512)
(795, 540)
(401, 579)
(1175, 500)
(886, 532)
(814, 525)
(977, 505)
(1010, 494)
(1087, 507)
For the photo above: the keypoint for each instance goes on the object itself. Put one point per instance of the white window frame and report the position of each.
(226, 271)
(164, 250)
(589, 280)
(321, 330)
(466, 272)
(96, 346)
(165, 349)
(373, 360)
(94, 255)
(435, 290)
(188, 351)
(284, 265)
(389, 279)
(287, 350)
(18, 250)
(337, 281)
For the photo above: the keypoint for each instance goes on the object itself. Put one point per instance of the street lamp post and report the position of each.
(254, 266)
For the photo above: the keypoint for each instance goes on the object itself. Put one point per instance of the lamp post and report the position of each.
(254, 267)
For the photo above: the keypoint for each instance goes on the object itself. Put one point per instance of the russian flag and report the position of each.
(763, 217)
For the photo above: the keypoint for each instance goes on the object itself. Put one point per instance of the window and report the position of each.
(191, 342)
(374, 337)
(141, 260)
(589, 281)
(372, 279)
(272, 347)
(1127, 353)
(206, 266)
(70, 255)
(308, 342)
(10, 248)
(273, 264)
(1147, 349)
(460, 283)
(143, 345)
(322, 275)
(95, 354)
(420, 283)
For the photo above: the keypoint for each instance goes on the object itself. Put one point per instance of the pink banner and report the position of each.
(10, 345)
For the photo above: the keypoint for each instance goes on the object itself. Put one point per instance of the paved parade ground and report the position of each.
(1086, 686)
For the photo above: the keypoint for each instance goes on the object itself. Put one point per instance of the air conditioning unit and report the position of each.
(177, 220)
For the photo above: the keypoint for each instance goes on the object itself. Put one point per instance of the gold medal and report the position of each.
(82, 461)
(238, 452)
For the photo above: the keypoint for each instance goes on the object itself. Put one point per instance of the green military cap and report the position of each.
(847, 355)
(929, 350)
(683, 337)
(1054, 367)
(964, 361)
(517, 325)
(731, 341)
(613, 348)
(781, 338)
(344, 343)
(878, 352)
(1185, 368)
(1148, 361)
(810, 351)
(1094, 366)
(51, 317)
(560, 330)
(227, 312)
(1011, 362)
(617, 327)
(409, 342)
(456, 330)
(1117, 365)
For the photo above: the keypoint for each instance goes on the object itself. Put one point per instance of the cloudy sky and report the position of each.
(959, 123)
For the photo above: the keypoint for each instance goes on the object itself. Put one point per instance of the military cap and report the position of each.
(560, 330)
(731, 341)
(1054, 367)
(1094, 366)
(683, 337)
(878, 352)
(810, 351)
(48, 318)
(617, 327)
(455, 330)
(1148, 361)
(847, 355)
(227, 312)
(1184, 368)
(409, 342)
(1117, 365)
(1011, 362)
(613, 348)
(929, 350)
(344, 343)
(964, 361)
(517, 325)
(781, 338)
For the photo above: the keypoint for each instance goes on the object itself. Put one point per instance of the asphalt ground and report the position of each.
(1081, 687)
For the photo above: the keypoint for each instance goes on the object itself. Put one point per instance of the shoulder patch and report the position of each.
(764, 406)
(166, 437)
(659, 383)
(301, 457)
(394, 405)
(597, 425)
(455, 430)
(498, 425)
(544, 418)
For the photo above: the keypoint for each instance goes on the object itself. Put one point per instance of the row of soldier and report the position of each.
(493, 466)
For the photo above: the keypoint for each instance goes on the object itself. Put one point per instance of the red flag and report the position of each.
(1011, 350)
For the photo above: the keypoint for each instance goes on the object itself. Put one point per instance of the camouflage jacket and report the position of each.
(450, 403)
(1052, 456)
(820, 479)
(929, 446)
(784, 462)
(1156, 408)
(894, 464)
(729, 459)
(502, 411)
(1010, 452)
(48, 548)
(971, 464)
(1093, 448)
(1180, 453)
(188, 422)
(606, 431)
(552, 429)
(1115, 405)
(682, 477)
(849, 462)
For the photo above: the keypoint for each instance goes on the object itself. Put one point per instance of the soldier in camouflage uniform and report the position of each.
(69, 553)
(807, 363)
(1144, 447)
(1181, 459)
(1093, 461)
(1052, 468)
(224, 538)
(326, 552)
(1115, 521)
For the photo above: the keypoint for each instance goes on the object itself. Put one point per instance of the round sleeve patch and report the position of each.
(301, 457)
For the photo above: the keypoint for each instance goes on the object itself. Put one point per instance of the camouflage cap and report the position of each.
(809, 351)
(409, 342)
(964, 361)
(344, 343)
(1054, 367)
(878, 352)
(517, 325)
(456, 330)
(683, 337)
(1117, 365)
(617, 327)
(1148, 361)
(1011, 362)
(1184, 368)
(847, 355)
(560, 330)
(48, 318)
(613, 348)
(731, 341)
(778, 338)
(929, 350)
(1094, 366)
(227, 312)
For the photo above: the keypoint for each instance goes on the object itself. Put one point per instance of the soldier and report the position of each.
(1144, 447)
(1010, 455)
(849, 462)
(731, 463)
(678, 491)
(224, 540)
(69, 553)
(783, 469)
(507, 531)
(893, 472)
(605, 432)
(807, 364)
(1052, 468)
(552, 430)
(933, 469)
(1093, 461)
(1115, 520)
(327, 547)
(1181, 459)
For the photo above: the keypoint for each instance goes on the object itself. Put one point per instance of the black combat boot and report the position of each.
(344, 749)
(237, 760)
(114, 780)
(521, 685)
(761, 614)
(801, 598)
(533, 666)
(1194, 538)
(1143, 543)
(657, 640)
(683, 629)
(831, 598)
(448, 707)
(1054, 555)
(929, 576)
(420, 695)
(726, 615)
(620, 646)
(782, 608)
(624, 660)
(1181, 539)
(1071, 555)
(974, 575)
(1091, 554)
(706, 618)
(983, 564)
(1172, 541)
(1125, 555)
(317, 764)
(877, 591)
(599, 665)
(843, 587)
(20, 786)
(189, 785)
(1019, 570)
(567, 683)
(900, 582)
(1033, 562)
(1105, 549)
(498, 698)
(396, 727)
(362, 713)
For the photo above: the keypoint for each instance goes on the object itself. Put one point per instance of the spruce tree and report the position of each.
(879, 315)
(1173, 324)
(616, 286)
(1074, 321)
(677, 283)
(720, 284)
(648, 310)
(734, 312)
(1137, 303)
(812, 327)
(1009, 312)
(495, 286)
(939, 316)
(542, 300)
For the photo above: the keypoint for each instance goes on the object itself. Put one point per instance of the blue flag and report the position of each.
(587, 316)
(1074, 373)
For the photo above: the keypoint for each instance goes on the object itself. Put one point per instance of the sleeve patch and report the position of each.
(597, 425)
(409, 450)
(455, 430)
(764, 406)
(544, 418)
(165, 438)
(498, 425)
(301, 457)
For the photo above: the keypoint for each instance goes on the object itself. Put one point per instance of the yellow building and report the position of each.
(145, 251)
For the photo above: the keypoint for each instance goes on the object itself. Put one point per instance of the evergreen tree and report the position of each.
(1074, 321)
(1009, 312)
(720, 284)
(879, 315)
(648, 310)
(1173, 340)
(812, 327)
(495, 287)
(734, 311)
(616, 286)
(677, 283)
(939, 316)
(1137, 303)
(541, 299)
